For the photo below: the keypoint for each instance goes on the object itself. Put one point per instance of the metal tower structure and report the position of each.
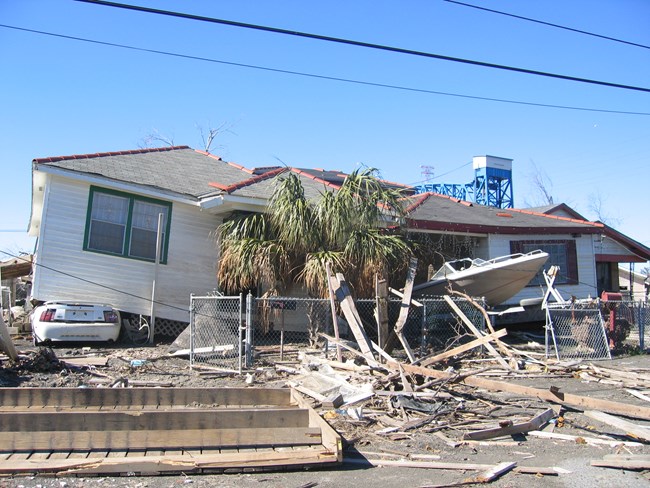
(492, 184)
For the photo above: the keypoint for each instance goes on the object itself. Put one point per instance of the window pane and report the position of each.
(105, 236)
(108, 223)
(143, 244)
(144, 227)
(557, 256)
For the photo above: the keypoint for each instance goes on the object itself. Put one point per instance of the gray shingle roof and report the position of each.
(175, 169)
(439, 212)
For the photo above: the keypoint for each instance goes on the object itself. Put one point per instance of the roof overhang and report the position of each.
(464, 228)
(225, 204)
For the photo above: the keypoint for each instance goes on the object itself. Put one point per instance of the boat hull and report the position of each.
(495, 282)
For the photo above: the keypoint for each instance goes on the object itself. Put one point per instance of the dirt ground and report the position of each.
(41, 367)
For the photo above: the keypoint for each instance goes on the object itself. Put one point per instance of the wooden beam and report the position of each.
(344, 297)
(142, 397)
(236, 418)
(533, 424)
(335, 320)
(404, 308)
(461, 349)
(475, 331)
(575, 401)
(381, 311)
(172, 462)
(631, 429)
(161, 439)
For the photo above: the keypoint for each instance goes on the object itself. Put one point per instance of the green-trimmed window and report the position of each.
(126, 225)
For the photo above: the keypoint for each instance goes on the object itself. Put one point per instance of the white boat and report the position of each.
(496, 280)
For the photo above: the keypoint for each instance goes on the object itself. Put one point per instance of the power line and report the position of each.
(351, 42)
(64, 273)
(549, 24)
(321, 77)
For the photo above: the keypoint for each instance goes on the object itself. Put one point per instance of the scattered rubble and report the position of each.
(477, 414)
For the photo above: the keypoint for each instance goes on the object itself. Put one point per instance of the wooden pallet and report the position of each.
(83, 431)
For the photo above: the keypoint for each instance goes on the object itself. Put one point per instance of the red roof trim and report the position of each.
(248, 182)
(557, 217)
(503, 229)
(56, 159)
(420, 200)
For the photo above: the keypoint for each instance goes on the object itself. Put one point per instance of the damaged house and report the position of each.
(96, 219)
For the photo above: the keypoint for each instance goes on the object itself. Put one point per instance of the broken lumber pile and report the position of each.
(81, 431)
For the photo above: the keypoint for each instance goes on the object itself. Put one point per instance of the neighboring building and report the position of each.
(585, 251)
(633, 285)
(611, 248)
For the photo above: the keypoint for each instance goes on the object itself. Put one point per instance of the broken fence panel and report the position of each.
(216, 331)
(576, 331)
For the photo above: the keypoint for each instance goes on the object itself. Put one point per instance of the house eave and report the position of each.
(426, 225)
(224, 204)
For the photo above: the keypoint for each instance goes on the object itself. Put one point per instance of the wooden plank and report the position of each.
(342, 292)
(6, 344)
(162, 439)
(172, 463)
(381, 311)
(475, 331)
(583, 440)
(426, 361)
(520, 428)
(404, 308)
(244, 418)
(623, 462)
(639, 395)
(575, 401)
(494, 472)
(631, 429)
(152, 397)
(335, 320)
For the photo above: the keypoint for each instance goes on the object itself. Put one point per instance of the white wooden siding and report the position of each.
(65, 271)
(607, 245)
(499, 245)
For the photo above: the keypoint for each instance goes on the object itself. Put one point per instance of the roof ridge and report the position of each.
(218, 158)
(248, 182)
(421, 198)
(557, 217)
(315, 178)
(56, 159)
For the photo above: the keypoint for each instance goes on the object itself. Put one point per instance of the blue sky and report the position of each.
(62, 97)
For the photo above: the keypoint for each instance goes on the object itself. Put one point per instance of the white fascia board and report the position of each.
(117, 185)
(227, 203)
(38, 196)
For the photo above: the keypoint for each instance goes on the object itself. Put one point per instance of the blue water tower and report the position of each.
(492, 185)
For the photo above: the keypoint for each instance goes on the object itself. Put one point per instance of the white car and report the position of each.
(59, 321)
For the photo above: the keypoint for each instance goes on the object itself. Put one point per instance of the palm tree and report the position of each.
(293, 240)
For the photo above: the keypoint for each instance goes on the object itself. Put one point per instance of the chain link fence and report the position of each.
(576, 331)
(627, 323)
(216, 332)
(227, 333)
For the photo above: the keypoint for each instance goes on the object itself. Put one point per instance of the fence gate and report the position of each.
(216, 335)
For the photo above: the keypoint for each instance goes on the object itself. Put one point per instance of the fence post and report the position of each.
(192, 330)
(641, 321)
(248, 347)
